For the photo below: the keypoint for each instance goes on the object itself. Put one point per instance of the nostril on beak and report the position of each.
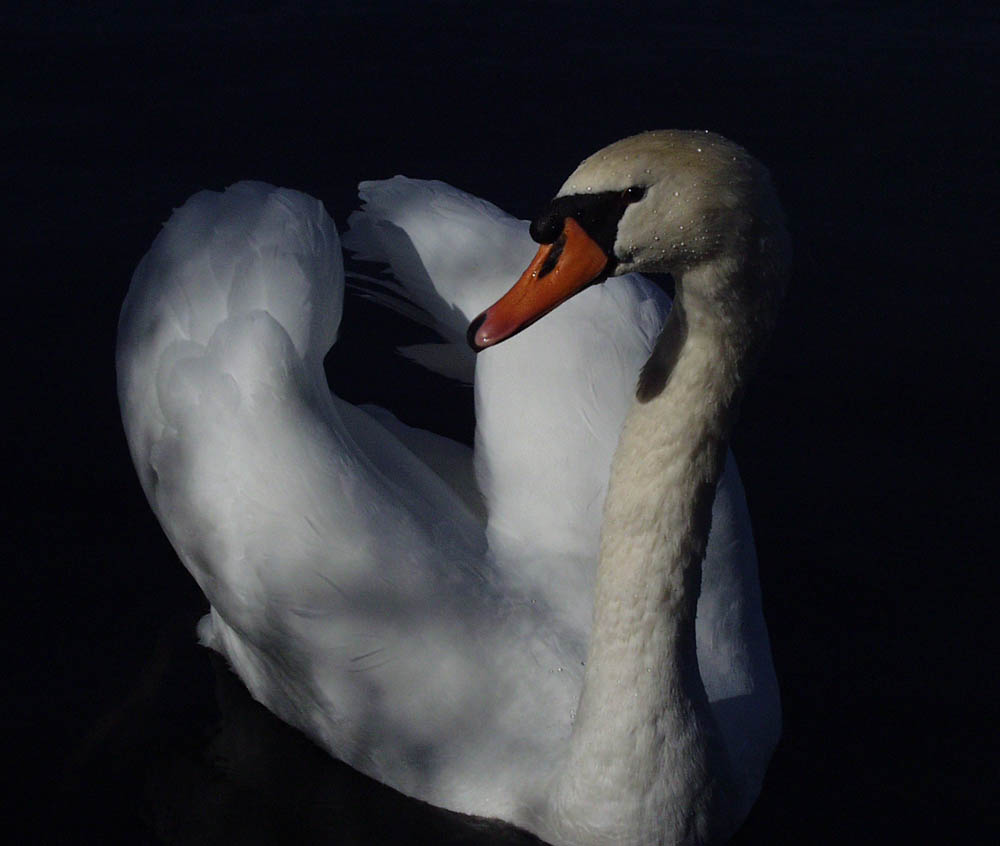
(553, 257)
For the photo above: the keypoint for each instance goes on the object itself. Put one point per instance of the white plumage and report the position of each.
(355, 586)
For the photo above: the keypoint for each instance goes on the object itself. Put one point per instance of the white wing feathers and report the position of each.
(450, 253)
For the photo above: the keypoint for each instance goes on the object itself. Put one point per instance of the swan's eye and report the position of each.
(633, 194)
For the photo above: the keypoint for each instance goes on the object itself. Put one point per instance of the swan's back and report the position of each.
(352, 587)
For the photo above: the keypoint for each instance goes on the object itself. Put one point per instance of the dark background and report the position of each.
(866, 442)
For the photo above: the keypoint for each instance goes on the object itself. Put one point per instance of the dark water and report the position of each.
(865, 443)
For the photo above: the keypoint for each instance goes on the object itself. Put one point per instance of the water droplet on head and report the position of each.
(646, 170)
(677, 193)
(698, 149)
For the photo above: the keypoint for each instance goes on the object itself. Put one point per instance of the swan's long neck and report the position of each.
(644, 750)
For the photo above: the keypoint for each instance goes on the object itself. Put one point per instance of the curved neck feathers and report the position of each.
(644, 748)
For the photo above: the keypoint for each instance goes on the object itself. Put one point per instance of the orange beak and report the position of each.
(559, 270)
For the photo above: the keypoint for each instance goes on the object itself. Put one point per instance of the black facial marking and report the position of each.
(599, 214)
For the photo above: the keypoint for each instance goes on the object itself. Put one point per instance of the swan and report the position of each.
(462, 625)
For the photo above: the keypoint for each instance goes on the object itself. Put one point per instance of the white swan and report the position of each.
(355, 586)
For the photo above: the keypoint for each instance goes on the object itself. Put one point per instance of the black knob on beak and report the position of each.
(547, 227)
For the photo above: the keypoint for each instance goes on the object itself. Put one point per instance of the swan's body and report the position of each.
(354, 585)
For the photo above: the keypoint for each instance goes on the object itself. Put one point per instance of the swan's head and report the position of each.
(665, 201)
